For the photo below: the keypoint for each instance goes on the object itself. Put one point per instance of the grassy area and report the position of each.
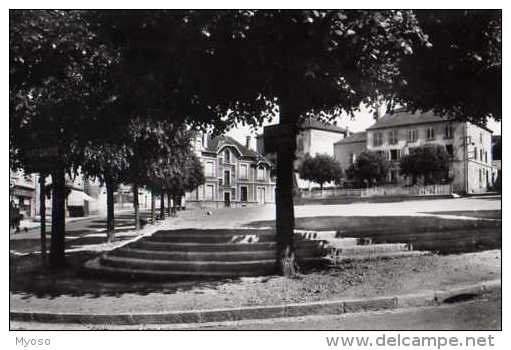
(423, 232)
(481, 214)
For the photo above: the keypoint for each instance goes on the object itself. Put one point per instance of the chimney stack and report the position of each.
(248, 143)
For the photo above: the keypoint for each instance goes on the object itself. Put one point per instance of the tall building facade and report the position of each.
(397, 134)
(236, 174)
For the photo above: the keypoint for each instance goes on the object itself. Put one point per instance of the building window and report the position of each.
(393, 137)
(450, 150)
(209, 169)
(481, 155)
(412, 135)
(227, 156)
(449, 131)
(486, 156)
(475, 153)
(243, 194)
(480, 177)
(260, 173)
(233, 194)
(209, 192)
(481, 138)
(430, 133)
(395, 154)
(227, 178)
(377, 139)
(243, 171)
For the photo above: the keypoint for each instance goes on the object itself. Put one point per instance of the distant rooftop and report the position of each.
(354, 138)
(215, 143)
(402, 117)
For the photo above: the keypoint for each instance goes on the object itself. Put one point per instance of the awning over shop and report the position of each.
(77, 198)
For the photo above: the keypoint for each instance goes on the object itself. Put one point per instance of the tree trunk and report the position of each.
(285, 219)
(136, 207)
(162, 205)
(175, 203)
(42, 214)
(169, 201)
(58, 218)
(153, 207)
(110, 216)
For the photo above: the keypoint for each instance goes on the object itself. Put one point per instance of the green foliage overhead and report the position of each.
(460, 73)
(58, 86)
(370, 168)
(320, 169)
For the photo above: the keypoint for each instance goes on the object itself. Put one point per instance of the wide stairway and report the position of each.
(199, 253)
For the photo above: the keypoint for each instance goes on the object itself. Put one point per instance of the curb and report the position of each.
(262, 312)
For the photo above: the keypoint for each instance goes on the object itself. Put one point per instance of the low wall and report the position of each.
(220, 204)
(379, 191)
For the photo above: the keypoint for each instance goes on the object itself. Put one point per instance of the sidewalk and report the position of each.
(363, 280)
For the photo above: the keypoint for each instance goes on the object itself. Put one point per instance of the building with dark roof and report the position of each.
(236, 174)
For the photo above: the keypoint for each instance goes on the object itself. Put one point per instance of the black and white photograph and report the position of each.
(256, 169)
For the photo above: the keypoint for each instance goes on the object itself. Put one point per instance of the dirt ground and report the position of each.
(358, 280)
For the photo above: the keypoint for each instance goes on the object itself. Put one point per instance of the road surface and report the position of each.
(483, 313)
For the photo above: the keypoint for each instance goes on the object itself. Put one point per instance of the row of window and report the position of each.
(482, 155)
(230, 195)
(209, 171)
(395, 154)
(412, 135)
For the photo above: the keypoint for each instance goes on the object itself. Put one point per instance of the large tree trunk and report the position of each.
(42, 214)
(153, 207)
(285, 218)
(169, 201)
(58, 218)
(162, 205)
(110, 216)
(136, 207)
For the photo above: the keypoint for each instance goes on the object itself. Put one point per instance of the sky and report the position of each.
(362, 121)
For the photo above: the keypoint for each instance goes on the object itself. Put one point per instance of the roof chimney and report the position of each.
(204, 140)
(248, 143)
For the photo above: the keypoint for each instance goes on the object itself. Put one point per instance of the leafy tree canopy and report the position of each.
(370, 167)
(429, 162)
(320, 169)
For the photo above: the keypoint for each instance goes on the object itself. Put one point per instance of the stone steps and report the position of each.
(94, 268)
(203, 267)
(201, 247)
(214, 238)
(373, 249)
(374, 256)
(204, 253)
(195, 255)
